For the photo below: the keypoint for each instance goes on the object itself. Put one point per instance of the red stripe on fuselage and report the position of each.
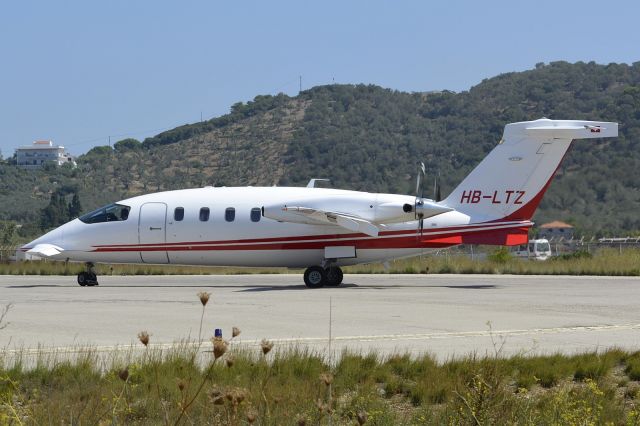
(434, 239)
(308, 238)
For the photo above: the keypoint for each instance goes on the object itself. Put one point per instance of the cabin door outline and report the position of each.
(152, 229)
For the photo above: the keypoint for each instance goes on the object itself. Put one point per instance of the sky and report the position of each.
(79, 72)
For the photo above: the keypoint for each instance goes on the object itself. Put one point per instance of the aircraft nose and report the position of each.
(55, 237)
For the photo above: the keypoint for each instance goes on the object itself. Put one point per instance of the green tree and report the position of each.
(8, 232)
(56, 212)
(75, 208)
(99, 150)
(127, 145)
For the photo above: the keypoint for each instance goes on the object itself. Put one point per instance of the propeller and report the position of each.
(437, 196)
(420, 195)
(421, 173)
(420, 203)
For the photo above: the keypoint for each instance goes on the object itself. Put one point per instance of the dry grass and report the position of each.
(62, 268)
(603, 262)
(287, 386)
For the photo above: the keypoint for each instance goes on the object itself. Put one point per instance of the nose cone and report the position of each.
(55, 237)
(50, 245)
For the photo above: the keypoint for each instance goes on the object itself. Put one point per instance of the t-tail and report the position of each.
(509, 183)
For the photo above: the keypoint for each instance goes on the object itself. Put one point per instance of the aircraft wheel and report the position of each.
(334, 276)
(92, 279)
(82, 279)
(315, 277)
(87, 279)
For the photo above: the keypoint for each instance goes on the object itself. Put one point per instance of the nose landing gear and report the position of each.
(88, 277)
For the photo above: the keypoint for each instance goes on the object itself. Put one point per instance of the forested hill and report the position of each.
(368, 138)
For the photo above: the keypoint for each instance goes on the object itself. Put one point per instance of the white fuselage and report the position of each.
(151, 234)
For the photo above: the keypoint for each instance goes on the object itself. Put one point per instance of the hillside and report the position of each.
(369, 138)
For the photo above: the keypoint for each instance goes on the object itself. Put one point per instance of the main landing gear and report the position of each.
(319, 276)
(88, 277)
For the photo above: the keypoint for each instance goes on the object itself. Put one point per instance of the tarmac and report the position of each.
(444, 315)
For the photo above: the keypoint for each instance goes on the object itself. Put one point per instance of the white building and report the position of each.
(40, 152)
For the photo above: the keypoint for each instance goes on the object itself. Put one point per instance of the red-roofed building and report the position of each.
(555, 230)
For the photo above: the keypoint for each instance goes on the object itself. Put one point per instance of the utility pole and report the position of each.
(109, 141)
(300, 85)
(201, 116)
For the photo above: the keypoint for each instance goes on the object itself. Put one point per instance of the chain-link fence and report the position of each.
(8, 253)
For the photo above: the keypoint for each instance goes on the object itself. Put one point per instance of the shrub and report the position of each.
(500, 255)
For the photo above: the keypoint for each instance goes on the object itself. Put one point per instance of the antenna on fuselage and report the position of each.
(312, 182)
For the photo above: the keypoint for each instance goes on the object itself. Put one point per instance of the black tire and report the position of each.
(315, 277)
(92, 279)
(82, 279)
(334, 276)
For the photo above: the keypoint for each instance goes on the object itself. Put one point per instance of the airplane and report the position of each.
(322, 229)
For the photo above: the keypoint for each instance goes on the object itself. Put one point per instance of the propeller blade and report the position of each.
(419, 188)
(437, 196)
(421, 173)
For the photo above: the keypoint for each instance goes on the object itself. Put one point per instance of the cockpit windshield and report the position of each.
(110, 213)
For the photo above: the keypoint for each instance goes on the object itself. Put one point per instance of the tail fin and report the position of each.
(510, 182)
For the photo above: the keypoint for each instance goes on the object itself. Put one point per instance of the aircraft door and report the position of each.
(152, 230)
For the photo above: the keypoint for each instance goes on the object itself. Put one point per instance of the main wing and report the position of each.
(323, 217)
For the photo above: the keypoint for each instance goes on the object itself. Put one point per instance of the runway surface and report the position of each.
(446, 315)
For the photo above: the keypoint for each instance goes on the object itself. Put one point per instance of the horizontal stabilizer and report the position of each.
(45, 250)
(566, 129)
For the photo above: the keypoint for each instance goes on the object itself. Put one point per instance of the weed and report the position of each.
(633, 366)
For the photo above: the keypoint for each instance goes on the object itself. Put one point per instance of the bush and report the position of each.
(500, 255)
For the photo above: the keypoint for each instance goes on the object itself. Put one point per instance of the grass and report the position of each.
(62, 268)
(221, 382)
(290, 387)
(604, 262)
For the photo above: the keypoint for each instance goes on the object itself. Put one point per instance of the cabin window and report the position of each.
(255, 214)
(110, 213)
(204, 214)
(178, 214)
(230, 214)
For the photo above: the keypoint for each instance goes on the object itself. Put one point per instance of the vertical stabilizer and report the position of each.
(510, 182)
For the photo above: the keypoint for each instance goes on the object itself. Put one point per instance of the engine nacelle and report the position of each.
(424, 208)
(374, 208)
